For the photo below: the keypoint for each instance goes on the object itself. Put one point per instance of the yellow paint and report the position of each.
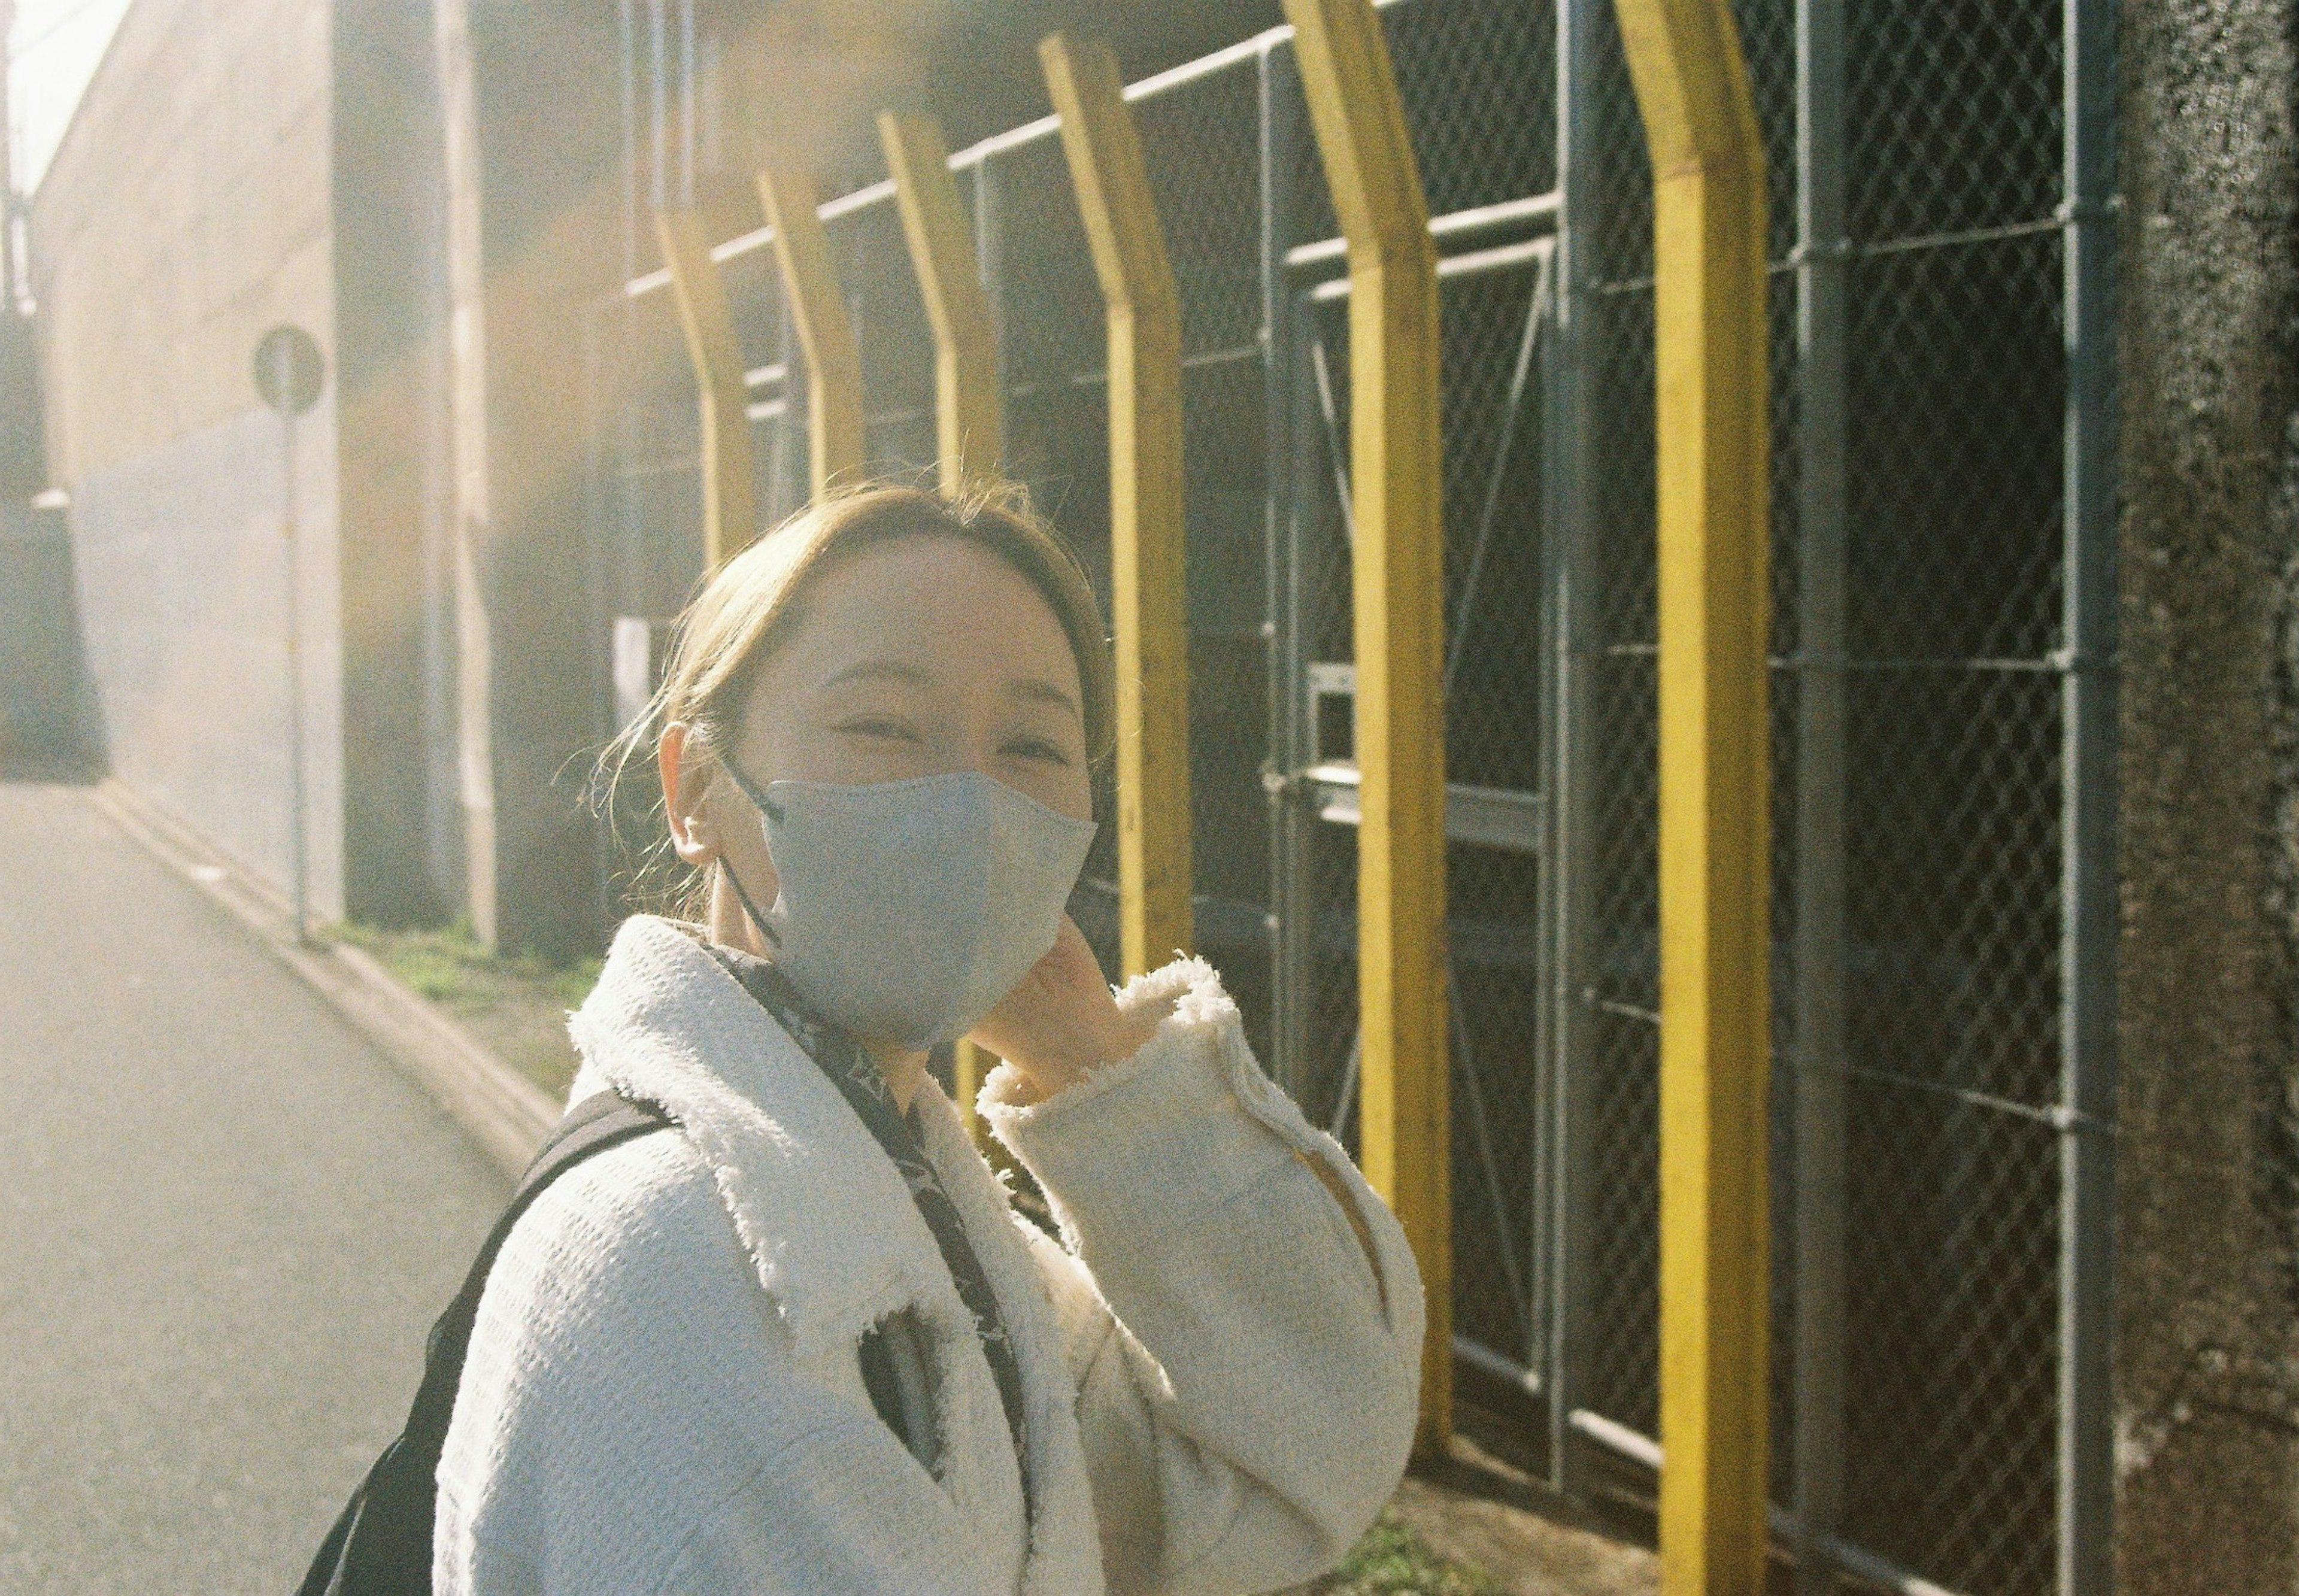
(1708, 236)
(730, 517)
(1148, 598)
(968, 409)
(836, 448)
(1398, 577)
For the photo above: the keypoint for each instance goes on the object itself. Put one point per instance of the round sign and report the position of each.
(288, 367)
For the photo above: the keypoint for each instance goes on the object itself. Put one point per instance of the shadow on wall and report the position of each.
(48, 728)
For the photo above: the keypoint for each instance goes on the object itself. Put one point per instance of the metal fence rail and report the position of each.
(1941, 667)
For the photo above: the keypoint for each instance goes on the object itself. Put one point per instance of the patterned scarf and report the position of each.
(864, 1084)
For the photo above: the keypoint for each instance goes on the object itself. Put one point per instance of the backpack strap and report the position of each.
(602, 1120)
(381, 1545)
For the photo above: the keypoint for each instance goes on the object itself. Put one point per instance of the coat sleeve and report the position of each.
(1246, 1347)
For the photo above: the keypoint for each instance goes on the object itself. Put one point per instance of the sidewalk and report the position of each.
(226, 1222)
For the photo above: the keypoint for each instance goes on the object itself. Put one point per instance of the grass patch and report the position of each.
(1392, 1560)
(515, 1004)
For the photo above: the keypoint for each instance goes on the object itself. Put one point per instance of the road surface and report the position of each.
(226, 1222)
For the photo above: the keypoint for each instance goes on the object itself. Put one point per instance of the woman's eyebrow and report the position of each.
(1045, 692)
(880, 670)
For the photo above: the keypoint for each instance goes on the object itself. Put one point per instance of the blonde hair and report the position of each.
(747, 605)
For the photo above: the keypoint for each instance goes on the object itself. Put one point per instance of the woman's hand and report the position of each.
(1061, 1020)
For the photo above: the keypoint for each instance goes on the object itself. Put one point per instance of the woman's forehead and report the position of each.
(929, 599)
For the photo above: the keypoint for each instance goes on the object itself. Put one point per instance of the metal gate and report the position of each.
(1943, 962)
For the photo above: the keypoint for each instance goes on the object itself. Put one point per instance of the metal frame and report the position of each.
(1569, 712)
(730, 507)
(1148, 600)
(1396, 499)
(1292, 929)
(826, 331)
(1295, 282)
(2089, 827)
(968, 408)
(1821, 259)
(1713, 438)
(472, 508)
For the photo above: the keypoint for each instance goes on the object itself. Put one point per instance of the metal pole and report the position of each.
(1715, 605)
(471, 506)
(1294, 937)
(826, 331)
(1398, 592)
(686, 102)
(658, 105)
(1148, 602)
(1821, 260)
(295, 825)
(1571, 599)
(630, 140)
(968, 418)
(730, 507)
(2088, 799)
(8, 297)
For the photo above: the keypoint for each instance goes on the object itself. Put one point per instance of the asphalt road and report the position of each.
(226, 1222)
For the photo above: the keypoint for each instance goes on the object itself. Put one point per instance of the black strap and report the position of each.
(381, 1545)
(599, 1122)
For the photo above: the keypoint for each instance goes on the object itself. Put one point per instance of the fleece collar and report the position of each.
(824, 1214)
(827, 1220)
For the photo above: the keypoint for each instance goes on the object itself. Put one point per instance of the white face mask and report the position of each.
(909, 908)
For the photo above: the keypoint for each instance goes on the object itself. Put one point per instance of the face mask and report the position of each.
(909, 908)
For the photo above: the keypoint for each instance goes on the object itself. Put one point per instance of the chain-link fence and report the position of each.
(1936, 973)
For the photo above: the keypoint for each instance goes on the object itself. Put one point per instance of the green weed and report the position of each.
(1391, 1560)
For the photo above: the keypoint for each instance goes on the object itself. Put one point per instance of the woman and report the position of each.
(803, 1343)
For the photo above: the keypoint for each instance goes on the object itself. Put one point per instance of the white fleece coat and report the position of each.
(663, 1393)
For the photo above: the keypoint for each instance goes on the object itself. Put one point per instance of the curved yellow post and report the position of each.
(1715, 616)
(968, 416)
(1147, 598)
(825, 332)
(730, 514)
(1398, 571)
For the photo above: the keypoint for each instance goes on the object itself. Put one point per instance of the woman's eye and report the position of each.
(1034, 748)
(875, 726)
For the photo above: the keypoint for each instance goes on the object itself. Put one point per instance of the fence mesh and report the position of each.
(1951, 546)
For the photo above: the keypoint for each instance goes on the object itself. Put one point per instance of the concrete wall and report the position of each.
(183, 589)
(402, 819)
(2207, 1355)
(543, 180)
(188, 211)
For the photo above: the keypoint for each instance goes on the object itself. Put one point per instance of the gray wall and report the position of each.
(403, 817)
(183, 590)
(186, 210)
(2208, 1336)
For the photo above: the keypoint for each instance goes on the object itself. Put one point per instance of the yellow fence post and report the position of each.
(1715, 615)
(1148, 597)
(968, 409)
(730, 517)
(1398, 572)
(825, 332)
(967, 405)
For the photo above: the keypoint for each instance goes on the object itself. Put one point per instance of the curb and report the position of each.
(507, 1114)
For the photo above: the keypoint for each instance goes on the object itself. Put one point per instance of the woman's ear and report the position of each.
(686, 770)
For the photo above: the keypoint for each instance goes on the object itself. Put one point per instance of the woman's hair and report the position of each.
(749, 605)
